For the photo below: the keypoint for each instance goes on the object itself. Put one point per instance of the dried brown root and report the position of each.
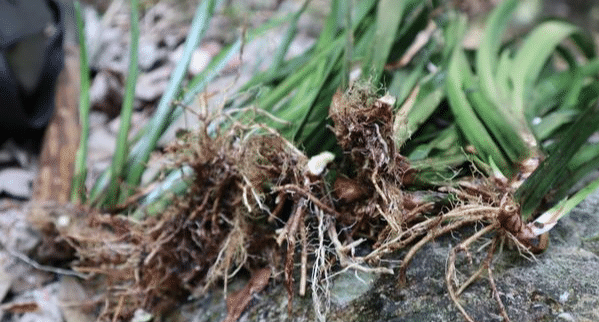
(455, 291)
(407, 236)
(232, 252)
(364, 125)
(307, 203)
(501, 216)
(463, 246)
(351, 262)
(435, 232)
(450, 271)
(502, 310)
(294, 224)
(291, 188)
(304, 261)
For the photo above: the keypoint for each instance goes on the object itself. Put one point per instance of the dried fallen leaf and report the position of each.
(238, 301)
(20, 308)
(74, 301)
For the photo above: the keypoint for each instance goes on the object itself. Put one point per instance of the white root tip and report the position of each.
(319, 162)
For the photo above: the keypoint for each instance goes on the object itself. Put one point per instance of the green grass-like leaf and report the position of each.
(531, 57)
(80, 171)
(388, 16)
(158, 122)
(486, 56)
(466, 118)
(122, 148)
(279, 56)
(534, 189)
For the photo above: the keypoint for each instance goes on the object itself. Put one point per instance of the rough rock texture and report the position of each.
(562, 284)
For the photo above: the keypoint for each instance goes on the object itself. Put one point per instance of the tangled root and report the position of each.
(221, 227)
(363, 126)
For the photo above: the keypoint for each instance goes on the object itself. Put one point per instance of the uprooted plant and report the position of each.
(257, 203)
(363, 126)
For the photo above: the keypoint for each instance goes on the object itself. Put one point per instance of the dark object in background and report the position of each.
(31, 57)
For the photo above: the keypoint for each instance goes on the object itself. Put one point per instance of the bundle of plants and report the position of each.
(257, 204)
(308, 173)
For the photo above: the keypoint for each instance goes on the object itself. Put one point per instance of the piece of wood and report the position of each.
(61, 139)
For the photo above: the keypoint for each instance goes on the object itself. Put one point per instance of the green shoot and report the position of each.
(122, 147)
(80, 171)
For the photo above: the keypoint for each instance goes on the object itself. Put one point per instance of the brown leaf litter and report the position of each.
(238, 301)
